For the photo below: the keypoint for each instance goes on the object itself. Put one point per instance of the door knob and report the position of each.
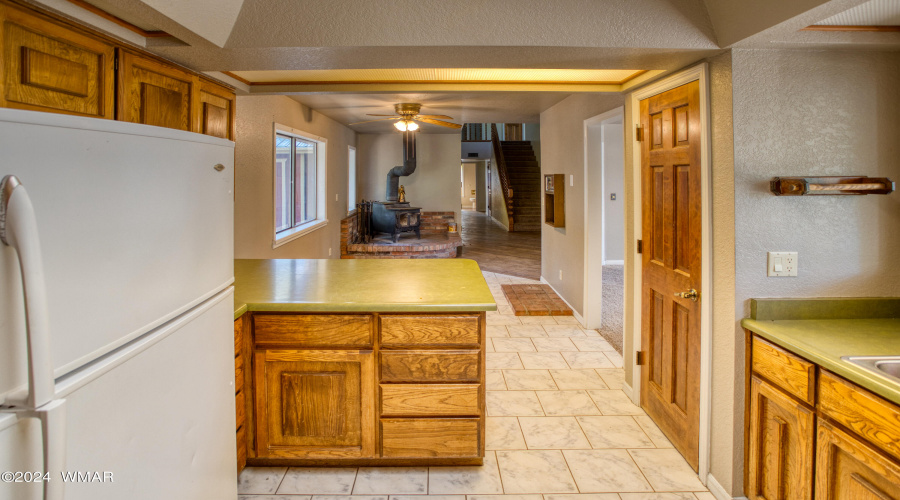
(690, 294)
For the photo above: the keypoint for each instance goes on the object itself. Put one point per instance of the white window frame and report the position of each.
(351, 178)
(321, 219)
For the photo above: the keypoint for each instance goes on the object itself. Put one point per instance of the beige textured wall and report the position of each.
(498, 206)
(813, 113)
(254, 159)
(434, 186)
(562, 152)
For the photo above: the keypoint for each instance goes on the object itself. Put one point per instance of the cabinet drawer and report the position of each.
(429, 400)
(430, 366)
(788, 372)
(314, 330)
(238, 335)
(238, 374)
(873, 418)
(429, 437)
(430, 330)
(239, 410)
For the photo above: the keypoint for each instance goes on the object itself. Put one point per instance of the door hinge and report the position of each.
(639, 133)
(639, 358)
(640, 246)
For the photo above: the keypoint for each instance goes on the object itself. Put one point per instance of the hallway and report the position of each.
(499, 251)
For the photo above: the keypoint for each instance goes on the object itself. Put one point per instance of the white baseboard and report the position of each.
(579, 317)
(629, 391)
(718, 491)
(613, 262)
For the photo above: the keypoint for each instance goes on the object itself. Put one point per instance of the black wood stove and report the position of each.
(395, 218)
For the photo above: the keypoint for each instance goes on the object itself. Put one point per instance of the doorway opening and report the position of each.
(604, 169)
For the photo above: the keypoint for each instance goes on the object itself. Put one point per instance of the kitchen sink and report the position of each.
(886, 366)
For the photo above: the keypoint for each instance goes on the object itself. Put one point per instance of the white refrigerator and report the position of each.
(126, 295)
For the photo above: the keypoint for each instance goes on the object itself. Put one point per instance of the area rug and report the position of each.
(612, 312)
(535, 300)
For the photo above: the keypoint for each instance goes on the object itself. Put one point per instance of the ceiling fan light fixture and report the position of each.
(412, 126)
(400, 125)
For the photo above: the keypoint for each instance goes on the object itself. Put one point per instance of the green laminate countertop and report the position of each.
(833, 328)
(360, 285)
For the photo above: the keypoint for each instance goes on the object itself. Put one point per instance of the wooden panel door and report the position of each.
(315, 404)
(154, 93)
(781, 445)
(49, 67)
(670, 333)
(216, 115)
(849, 469)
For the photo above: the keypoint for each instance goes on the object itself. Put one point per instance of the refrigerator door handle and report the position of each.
(18, 229)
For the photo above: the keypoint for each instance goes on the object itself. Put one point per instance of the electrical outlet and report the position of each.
(336, 197)
(560, 275)
(571, 180)
(329, 252)
(782, 264)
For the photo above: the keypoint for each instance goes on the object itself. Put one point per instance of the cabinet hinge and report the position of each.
(639, 133)
(640, 246)
(639, 358)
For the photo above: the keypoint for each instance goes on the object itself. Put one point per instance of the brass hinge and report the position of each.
(639, 358)
(640, 246)
(639, 133)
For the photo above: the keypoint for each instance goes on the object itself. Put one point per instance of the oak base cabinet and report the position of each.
(850, 469)
(315, 404)
(810, 430)
(781, 445)
(367, 389)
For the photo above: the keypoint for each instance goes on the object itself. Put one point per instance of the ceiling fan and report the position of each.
(407, 114)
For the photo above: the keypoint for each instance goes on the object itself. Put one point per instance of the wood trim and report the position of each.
(849, 27)
(238, 78)
(433, 82)
(121, 22)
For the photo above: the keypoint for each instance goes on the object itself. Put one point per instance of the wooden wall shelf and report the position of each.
(555, 200)
(801, 186)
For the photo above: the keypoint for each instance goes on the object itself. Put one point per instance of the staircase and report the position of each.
(524, 175)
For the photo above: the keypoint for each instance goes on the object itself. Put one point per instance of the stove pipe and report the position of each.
(408, 167)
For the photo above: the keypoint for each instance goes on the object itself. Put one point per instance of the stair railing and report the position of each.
(501, 172)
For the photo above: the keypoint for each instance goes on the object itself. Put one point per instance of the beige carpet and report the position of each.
(612, 315)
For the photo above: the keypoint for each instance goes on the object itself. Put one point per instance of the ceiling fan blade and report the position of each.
(436, 116)
(438, 122)
(370, 121)
(372, 114)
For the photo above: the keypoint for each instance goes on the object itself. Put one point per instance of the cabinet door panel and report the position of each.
(153, 93)
(49, 67)
(781, 445)
(217, 110)
(315, 404)
(847, 468)
(430, 366)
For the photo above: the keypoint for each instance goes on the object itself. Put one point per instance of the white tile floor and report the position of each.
(559, 427)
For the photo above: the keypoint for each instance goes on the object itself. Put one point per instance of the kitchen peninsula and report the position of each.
(360, 362)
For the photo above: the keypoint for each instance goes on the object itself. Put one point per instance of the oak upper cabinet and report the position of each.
(850, 469)
(315, 403)
(216, 114)
(47, 66)
(154, 93)
(782, 430)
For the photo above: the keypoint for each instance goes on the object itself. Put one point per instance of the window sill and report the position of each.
(302, 230)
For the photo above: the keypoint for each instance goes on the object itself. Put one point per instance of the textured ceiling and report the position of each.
(472, 107)
(871, 13)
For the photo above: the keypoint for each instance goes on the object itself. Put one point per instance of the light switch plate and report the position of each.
(782, 264)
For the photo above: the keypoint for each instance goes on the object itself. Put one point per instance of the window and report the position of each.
(299, 183)
(351, 179)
